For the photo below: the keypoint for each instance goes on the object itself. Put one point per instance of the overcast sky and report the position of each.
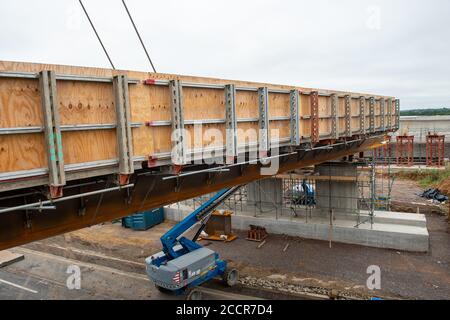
(391, 47)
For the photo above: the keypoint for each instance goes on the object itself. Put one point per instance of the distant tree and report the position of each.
(426, 112)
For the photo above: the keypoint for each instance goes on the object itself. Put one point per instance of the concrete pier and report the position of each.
(266, 193)
(339, 196)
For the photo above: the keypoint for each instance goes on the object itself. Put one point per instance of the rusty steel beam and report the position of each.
(149, 191)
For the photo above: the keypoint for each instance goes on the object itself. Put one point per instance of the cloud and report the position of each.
(398, 48)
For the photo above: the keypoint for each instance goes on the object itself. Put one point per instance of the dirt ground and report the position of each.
(444, 187)
(405, 198)
(306, 263)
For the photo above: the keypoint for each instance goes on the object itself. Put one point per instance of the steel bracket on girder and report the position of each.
(295, 117)
(178, 130)
(372, 115)
(315, 135)
(52, 132)
(231, 122)
(397, 114)
(335, 117)
(264, 139)
(348, 116)
(123, 130)
(362, 115)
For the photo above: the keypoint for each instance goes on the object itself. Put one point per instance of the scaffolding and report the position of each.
(405, 150)
(435, 150)
(372, 188)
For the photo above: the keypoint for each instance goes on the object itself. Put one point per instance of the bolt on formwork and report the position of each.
(435, 149)
(405, 150)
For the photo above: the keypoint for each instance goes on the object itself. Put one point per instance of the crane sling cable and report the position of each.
(139, 36)
(96, 33)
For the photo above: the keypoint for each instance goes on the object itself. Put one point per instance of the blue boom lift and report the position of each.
(183, 264)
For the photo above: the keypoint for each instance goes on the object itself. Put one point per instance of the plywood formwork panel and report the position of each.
(149, 103)
(203, 104)
(22, 152)
(85, 103)
(305, 128)
(89, 146)
(246, 104)
(279, 105)
(205, 136)
(325, 126)
(279, 129)
(20, 104)
(248, 133)
(305, 105)
(324, 106)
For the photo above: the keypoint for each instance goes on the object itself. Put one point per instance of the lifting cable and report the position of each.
(135, 29)
(98, 37)
(139, 36)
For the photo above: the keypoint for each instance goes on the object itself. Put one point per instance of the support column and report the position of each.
(332, 194)
(266, 194)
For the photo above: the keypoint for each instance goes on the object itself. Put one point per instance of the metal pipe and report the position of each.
(77, 196)
(64, 128)
(251, 89)
(226, 167)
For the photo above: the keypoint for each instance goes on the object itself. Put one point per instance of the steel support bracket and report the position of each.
(178, 130)
(315, 135)
(362, 115)
(397, 114)
(335, 130)
(264, 138)
(348, 116)
(123, 179)
(231, 123)
(372, 115)
(123, 130)
(295, 117)
(52, 132)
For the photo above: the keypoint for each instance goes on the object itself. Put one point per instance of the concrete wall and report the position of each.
(266, 193)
